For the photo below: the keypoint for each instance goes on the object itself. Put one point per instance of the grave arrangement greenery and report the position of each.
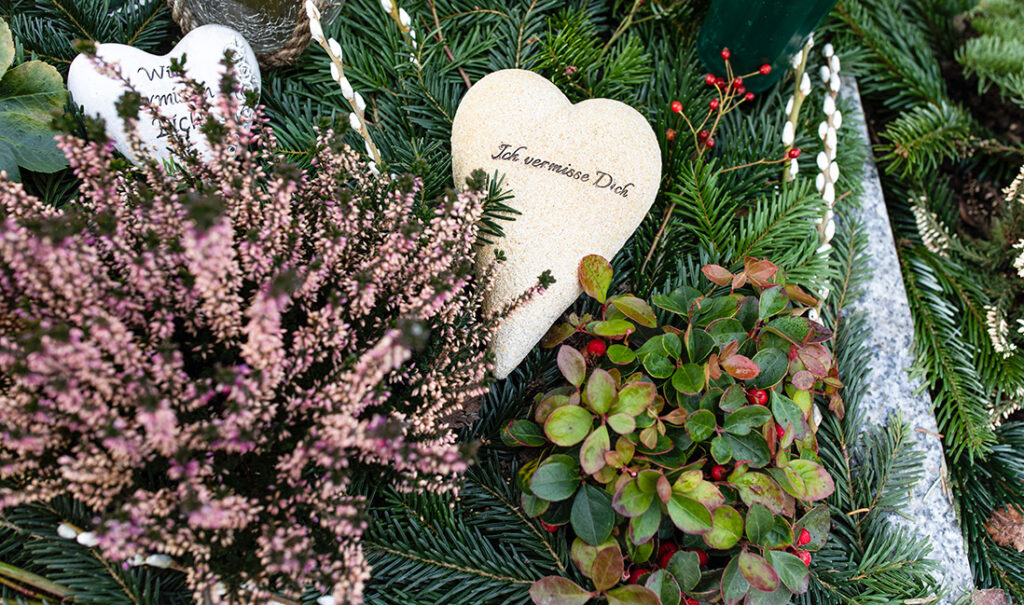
(634, 458)
(940, 79)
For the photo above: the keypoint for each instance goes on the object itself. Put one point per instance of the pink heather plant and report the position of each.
(207, 363)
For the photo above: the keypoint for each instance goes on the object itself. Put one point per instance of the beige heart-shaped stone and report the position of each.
(583, 176)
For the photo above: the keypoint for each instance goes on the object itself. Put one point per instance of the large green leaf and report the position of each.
(685, 567)
(734, 585)
(791, 570)
(818, 522)
(726, 530)
(556, 590)
(636, 309)
(774, 365)
(664, 585)
(758, 572)
(600, 391)
(632, 595)
(630, 500)
(689, 379)
(773, 300)
(750, 447)
(568, 425)
(700, 425)
(29, 95)
(634, 398)
(758, 488)
(677, 301)
(593, 450)
(643, 527)
(808, 480)
(6, 47)
(726, 330)
(592, 517)
(689, 515)
(556, 478)
(742, 420)
(595, 275)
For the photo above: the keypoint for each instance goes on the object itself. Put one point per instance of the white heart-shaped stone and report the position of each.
(203, 49)
(583, 176)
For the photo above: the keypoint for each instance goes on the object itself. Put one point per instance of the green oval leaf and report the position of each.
(607, 568)
(809, 480)
(635, 309)
(631, 594)
(758, 572)
(700, 425)
(688, 515)
(774, 365)
(621, 354)
(634, 398)
(757, 488)
(631, 501)
(596, 276)
(658, 366)
(720, 450)
(817, 521)
(791, 570)
(750, 447)
(678, 301)
(726, 330)
(726, 528)
(685, 568)
(688, 379)
(773, 300)
(611, 328)
(593, 450)
(623, 424)
(734, 585)
(600, 391)
(568, 425)
(662, 584)
(556, 590)
(643, 527)
(699, 345)
(572, 365)
(759, 523)
(555, 479)
(592, 517)
(744, 419)
(523, 433)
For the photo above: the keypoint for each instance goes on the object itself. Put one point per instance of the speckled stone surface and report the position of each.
(583, 177)
(890, 390)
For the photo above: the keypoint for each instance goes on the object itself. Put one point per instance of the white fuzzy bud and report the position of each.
(822, 130)
(335, 48)
(829, 194)
(788, 134)
(812, 315)
(353, 121)
(822, 160)
(794, 167)
(161, 561)
(316, 31)
(789, 106)
(830, 232)
(373, 168)
(797, 59)
(404, 18)
(66, 531)
(825, 248)
(87, 538)
(312, 11)
(830, 138)
(823, 293)
(412, 34)
(828, 105)
(805, 85)
(824, 73)
(387, 6)
(346, 88)
(833, 172)
(325, 600)
(817, 416)
(828, 215)
(832, 153)
(136, 561)
(359, 101)
(833, 63)
(827, 50)
(335, 72)
(837, 120)
(810, 41)
(819, 181)
(833, 83)
(369, 150)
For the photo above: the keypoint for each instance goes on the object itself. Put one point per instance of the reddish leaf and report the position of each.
(739, 280)
(633, 594)
(816, 359)
(572, 365)
(556, 590)
(635, 309)
(717, 274)
(596, 276)
(758, 572)
(760, 272)
(740, 367)
(803, 380)
(607, 568)
(797, 293)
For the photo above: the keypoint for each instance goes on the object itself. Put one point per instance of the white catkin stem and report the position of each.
(798, 99)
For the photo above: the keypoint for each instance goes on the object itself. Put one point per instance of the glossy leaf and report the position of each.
(532, 505)
(611, 328)
(740, 367)
(556, 478)
(772, 301)
(600, 391)
(592, 517)
(548, 405)
(790, 569)
(746, 418)
(758, 488)
(572, 365)
(558, 334)
(688, 515)
(672, 345)
(685, 568)
(817, 521)
(720, 450)
(595, 275)
(726, 528)
(734, 585)
(634, 398)
(607, 568)
(758, 572)
(630, 501)
(631, 594)
(621, 354)
(774, 366)
(726, 330)
(794, 329)
(759, 523)
(643, 527)
(809, 480)
(622, 424)
(636, 309)
(568, 425)
(556, 590)
(664, 586)
(593, 450)
(688, 379)
(658, 366)
(733, 398)
(699, 345)
(523, 433)
(678, 301)
(700, 425)
(718, 274)
(750, 447)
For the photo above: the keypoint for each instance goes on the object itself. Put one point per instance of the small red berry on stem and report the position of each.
(596, 347)
(737, 82)
(719, 82)
(805, 556)
(757, 396)
(793, 153)
(748, 97)
(692, 601)
(713, 104)
(765, 69)
(710, 79)
(726, 54)
(549, 527)
(710, 142)
(741, 90)
(670, 134)
(804, 538)
(704, 135)
(718, 472)
(779, 431)
(677, 107)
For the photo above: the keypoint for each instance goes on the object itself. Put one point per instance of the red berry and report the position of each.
(794, 153)
(779, 431)
(637, 573)
(710, 79)
(718, 472)
(667, 548)
(719, 82)
(757, 396)
(741, 90)
(704, 135)
(737, 82)
(596, 347)
(805, 556)
(549, 527)
(664, 559)
(805, 537)
(690, 601)
(710, 143)
(765, 69)
(713, 104)
(670, 135)
(677, 107)
(702, 557)
(726, 54)
(748, 97)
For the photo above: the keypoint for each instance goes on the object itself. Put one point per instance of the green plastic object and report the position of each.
(758, 32)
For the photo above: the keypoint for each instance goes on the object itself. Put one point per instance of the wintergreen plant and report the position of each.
(693, 437)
